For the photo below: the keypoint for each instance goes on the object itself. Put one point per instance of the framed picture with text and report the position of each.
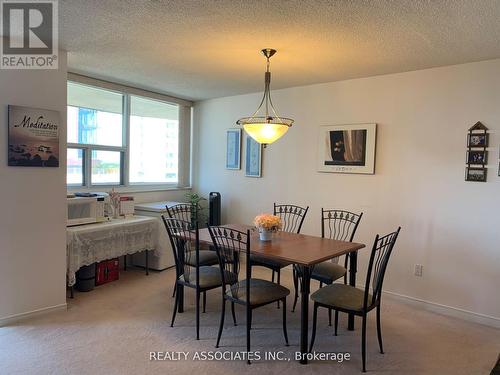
(33, 137)
(475, 174)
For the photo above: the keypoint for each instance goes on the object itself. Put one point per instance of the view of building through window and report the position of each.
(97, 145)
(154, 141)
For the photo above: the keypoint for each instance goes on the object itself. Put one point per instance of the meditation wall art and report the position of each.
(347, 148)
(33, 137)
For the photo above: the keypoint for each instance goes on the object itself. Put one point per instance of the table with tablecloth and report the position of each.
(87, 244)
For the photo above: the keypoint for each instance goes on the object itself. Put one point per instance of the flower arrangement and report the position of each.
(267, 222)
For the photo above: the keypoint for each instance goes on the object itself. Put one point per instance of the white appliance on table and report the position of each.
(166, 259)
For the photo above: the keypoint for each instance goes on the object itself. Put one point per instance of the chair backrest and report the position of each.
(339, 224)
(379, 258)
(183, 211)
(185, 244)
(231, 245)
(291, 216)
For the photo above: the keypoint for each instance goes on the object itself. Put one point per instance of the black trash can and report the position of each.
(85, 278)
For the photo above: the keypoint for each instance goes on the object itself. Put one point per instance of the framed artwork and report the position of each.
(477, 140)
(33, 137)
(475, 174)
(347, 148)
(233, 149)
(253, 158)
(477, 153)
(476, 157)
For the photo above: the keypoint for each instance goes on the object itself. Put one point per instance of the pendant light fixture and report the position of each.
(265, 126)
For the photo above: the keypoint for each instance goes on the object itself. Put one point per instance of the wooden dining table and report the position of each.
(304, 252)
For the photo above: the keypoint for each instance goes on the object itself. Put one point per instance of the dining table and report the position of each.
(304, 251)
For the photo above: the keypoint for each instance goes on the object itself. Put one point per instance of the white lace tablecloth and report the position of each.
(87, 244)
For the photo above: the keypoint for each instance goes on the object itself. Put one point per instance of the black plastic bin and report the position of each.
(85, 278)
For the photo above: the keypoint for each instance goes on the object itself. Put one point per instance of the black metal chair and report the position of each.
(189, 213)
(231, 245)
(337, 225)
(348, 299)
(292, 217)
(189, 271)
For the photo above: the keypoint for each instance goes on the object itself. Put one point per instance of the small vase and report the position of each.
(265, 234)
(116, 212)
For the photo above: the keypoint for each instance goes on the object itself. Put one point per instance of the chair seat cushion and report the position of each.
(207, 258)
(209, 277)
(261, 291)
(339, 295)
(269, 263)
(328, 272)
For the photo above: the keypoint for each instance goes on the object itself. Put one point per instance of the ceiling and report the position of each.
(210, 48)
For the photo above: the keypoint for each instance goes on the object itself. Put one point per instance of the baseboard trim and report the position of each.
(455, 312)
(31, 314)
(438, 308)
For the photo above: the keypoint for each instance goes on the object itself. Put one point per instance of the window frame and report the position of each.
(184, 140)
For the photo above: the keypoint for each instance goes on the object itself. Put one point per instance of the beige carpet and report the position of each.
(113, 329)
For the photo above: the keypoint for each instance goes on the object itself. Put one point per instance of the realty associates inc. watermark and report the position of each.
(29, 34)
(219, 355)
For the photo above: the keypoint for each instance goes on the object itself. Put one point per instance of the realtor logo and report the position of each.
(29, 33)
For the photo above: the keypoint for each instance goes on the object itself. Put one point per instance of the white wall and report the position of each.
(448, 225)
(32, 203)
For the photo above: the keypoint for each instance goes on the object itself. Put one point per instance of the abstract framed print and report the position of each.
(233, 149)
(347, 148)
(253, 158)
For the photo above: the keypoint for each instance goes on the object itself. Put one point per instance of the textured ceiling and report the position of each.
(210, 48)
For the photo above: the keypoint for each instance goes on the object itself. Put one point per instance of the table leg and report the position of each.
(305, 284)
(71, 291)
(147, 262)
(353, 266)
(180, 295)
(125, 262)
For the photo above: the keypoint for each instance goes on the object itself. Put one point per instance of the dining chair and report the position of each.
(188, 268)
(188, 212)
(231, 246)
(338, 225)
(351, 300)
(292, 217)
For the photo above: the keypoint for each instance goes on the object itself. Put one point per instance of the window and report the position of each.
(121, 138)
(154, 141)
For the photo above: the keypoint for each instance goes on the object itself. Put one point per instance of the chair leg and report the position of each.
(175, 289)
(363, 343)
(272, 277)
(284, 322)
(249, 323)
(234, 313)
(321, 284)
(336, 321)
(204, 301)
(279, 280)
(379, 331)
(175, 308)
(330, 317)
(296, 287)
(198, 294)
(221, 326)
(315, 319)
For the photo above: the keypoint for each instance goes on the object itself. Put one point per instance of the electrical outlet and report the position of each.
(418, 270)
